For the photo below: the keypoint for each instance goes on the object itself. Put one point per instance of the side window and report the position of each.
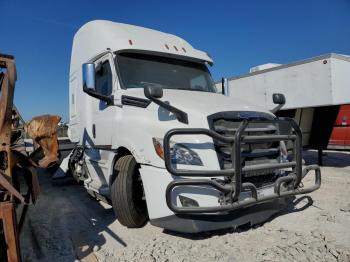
(103, 78)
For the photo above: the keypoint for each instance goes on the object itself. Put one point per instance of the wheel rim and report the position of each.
(138, 195)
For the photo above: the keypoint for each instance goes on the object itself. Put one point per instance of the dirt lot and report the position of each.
(66, 224)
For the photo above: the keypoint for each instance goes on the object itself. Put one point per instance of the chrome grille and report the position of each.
(252, 154)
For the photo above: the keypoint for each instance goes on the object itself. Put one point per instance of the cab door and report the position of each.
(103, 115)
(101, 126)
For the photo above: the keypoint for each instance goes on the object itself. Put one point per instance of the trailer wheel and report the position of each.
(127, 194)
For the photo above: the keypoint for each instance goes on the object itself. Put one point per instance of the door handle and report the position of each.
(94, 130)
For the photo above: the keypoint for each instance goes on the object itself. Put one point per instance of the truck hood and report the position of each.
(202, 103)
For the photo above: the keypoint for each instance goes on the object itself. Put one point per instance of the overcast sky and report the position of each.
(237, 34)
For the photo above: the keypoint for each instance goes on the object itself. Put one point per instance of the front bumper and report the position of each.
(284, 186)
(194, 223)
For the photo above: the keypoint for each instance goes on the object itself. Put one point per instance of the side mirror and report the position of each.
(89, 84)
(278, 99)
(153, 92)
(89, 76)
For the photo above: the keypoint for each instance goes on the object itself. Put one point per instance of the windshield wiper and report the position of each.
(155, 92)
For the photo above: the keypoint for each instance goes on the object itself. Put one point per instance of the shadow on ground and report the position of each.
(331, 158)
(65, 224)
(293, 204)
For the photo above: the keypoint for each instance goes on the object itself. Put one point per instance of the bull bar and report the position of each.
(283, 186)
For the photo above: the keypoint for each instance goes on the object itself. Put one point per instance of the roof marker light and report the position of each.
(167, 47)
(184, 49)
(130, 42)
(176, 48)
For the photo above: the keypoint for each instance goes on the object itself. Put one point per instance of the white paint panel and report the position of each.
(320, 81)
(341, 81)
(299, 84)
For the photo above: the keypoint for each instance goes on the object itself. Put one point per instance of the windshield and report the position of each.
(140, 70)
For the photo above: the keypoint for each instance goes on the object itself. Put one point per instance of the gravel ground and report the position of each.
(67, 225)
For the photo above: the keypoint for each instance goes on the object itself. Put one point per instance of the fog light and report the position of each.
(188, 202)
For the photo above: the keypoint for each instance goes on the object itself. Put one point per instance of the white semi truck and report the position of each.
(157, 141)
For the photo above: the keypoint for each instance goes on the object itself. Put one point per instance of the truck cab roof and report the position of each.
(98, 36)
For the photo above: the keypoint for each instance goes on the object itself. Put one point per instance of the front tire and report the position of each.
(127, 194)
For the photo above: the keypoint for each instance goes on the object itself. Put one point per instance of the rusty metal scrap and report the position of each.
(10, 189)
(8, 216)
(15, 162)
(9, 247)
(6, 103)
(43, 129)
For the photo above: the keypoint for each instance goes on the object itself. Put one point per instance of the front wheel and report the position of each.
(127, 193)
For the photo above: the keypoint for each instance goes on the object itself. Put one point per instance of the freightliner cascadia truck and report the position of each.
(156, 140)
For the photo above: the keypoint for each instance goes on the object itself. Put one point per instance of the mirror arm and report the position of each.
(180, 115)
(108, 99)
(276, 108)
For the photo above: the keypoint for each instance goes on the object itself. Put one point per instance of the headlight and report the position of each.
(179, 153)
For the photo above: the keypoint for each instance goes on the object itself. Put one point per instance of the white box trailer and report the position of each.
(314, 88)
(318, 81)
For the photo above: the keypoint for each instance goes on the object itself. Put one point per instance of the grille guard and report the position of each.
(234, 188)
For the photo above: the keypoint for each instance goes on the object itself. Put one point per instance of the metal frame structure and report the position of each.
(284, 186)
(9, 223)
(12, 159)
(7, 211)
